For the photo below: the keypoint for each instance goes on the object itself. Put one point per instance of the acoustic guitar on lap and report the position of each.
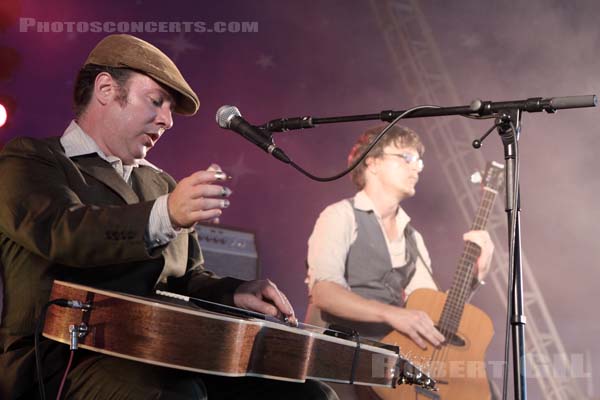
(458, 366)
(215, 339)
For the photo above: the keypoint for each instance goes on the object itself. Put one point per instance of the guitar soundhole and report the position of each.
(454, 340)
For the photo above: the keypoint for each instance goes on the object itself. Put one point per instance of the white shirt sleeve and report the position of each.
(159, 230)
(329, 243)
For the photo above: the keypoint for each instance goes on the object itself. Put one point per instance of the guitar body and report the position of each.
(460, 374)
(162, 331)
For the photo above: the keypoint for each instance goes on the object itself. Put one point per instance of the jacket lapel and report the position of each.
(101, 170)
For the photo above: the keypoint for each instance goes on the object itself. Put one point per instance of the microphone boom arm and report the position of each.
(476, 109)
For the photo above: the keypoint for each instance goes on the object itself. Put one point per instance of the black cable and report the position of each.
(364, 154)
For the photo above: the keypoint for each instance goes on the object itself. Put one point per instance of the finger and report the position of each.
(286, 303)
(253, 303)
(292, 320)
(433, 336)
(473, 238)
(486, 252)
(292, 315)
(200, 177)
(438, 335)
(207, 190)
(483, 265)
(417, 339)
(478, 232)
(432, 339)
(214, 167)
(431, 333)
(206, 204)
(202, 216)
(272, 293)
(481, 238)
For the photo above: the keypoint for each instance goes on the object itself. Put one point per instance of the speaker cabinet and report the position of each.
(229, 251)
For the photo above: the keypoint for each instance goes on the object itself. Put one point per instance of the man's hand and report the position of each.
(483, 240)
(264, 297)
(414, 323)
(196, 198)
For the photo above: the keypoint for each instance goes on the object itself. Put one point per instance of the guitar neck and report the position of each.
(463, 278)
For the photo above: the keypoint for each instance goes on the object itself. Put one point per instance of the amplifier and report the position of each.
(228, 251)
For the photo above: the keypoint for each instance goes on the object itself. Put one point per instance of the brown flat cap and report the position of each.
(126, 51)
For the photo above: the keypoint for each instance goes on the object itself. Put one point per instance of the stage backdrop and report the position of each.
(326, 58)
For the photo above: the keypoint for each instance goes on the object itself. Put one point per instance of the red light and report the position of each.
(3, 115)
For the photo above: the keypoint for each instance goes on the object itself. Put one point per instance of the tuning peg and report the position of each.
(476, 177)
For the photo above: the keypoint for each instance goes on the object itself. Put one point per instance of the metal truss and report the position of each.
(421, 71)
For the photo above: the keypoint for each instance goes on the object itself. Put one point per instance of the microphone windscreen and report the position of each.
(225, 114)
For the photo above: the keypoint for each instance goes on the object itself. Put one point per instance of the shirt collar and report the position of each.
(364, 203)
(78, 143)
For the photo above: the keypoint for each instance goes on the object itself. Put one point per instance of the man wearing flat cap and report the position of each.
(88, 208)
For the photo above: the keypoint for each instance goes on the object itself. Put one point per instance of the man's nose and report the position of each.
(164, 118)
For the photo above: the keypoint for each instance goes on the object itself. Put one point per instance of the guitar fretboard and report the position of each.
(461, 286)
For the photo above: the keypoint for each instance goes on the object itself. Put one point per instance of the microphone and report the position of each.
(229, 117)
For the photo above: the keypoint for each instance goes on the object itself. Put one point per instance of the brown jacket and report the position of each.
(78, 220)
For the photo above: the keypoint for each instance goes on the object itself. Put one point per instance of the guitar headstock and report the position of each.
(492, 178)
(410, 374)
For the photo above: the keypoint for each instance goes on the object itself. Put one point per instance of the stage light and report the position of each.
(8, 105)
(3, 115)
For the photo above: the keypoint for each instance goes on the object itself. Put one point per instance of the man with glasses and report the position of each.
(364, 258)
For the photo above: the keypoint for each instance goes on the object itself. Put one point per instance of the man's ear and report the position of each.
(371, 164)
(104, 88)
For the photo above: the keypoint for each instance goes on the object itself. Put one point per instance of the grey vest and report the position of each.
(369, 271)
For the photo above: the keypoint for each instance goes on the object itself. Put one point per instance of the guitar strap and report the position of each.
(411, 242)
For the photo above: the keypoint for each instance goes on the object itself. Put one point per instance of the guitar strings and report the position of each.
(452, 312)
(210, 306)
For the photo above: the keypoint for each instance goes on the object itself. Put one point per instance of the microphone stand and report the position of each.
(509, 128)
(508, 123)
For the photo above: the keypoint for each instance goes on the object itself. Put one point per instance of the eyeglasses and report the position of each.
(410, 159)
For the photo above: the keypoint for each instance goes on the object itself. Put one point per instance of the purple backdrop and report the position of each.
(328, 58)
